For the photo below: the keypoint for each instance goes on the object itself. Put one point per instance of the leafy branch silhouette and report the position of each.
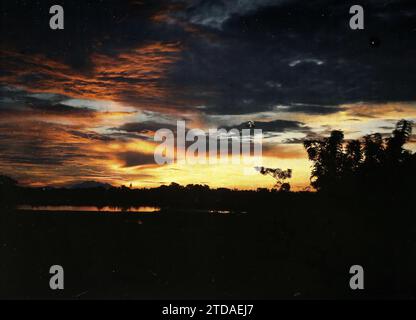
(279, 175)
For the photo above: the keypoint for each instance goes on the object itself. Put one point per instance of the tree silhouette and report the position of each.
(353, 155)
(278, 174)
(374, 150)
(372, 162)
(394, 145)
(328, 157)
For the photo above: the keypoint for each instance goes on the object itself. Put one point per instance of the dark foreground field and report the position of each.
(292, 252)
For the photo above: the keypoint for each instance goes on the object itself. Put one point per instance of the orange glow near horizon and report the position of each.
(82, 137)
(114, 161)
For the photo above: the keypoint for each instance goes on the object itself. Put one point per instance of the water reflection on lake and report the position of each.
(89, 208)
(114, 209)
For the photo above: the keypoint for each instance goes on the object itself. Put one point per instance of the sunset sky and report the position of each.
(83, 103)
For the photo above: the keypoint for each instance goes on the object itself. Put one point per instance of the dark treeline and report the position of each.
(171, 196)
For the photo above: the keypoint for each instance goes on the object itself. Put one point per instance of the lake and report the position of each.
(142, 209)
(114, 209)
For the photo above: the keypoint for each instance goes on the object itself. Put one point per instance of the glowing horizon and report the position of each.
(83, 103)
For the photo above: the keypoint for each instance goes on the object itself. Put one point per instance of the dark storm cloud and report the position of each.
(301, 52)
(235, 57)
(311, 109)
(214, 13)
(132, 159)
(281, 126)
(145, 127)
(91, 135)
(277, 126)
(308, 136)
(19, 102)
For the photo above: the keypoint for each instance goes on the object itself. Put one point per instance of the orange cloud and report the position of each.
(136, 75)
